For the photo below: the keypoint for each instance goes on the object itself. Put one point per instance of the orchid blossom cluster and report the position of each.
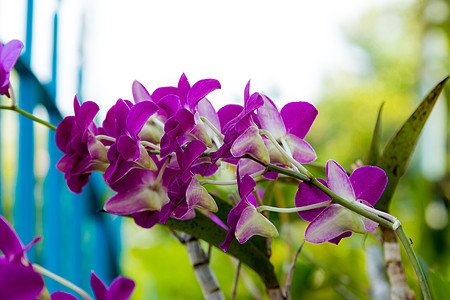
(157, 150)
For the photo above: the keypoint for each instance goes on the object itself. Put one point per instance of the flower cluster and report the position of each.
(155, 150)
(19, 279)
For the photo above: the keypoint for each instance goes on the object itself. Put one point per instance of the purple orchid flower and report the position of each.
(9, 53)
(334, 222)
(185, 191)
(240, 129)
(289, 127)
(184, 107)
(244, 220)
(124, 122)
(84, 154)
(153, 129)
(18, 280)
(120, 289)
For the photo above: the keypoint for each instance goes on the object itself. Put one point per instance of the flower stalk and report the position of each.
(28, 115)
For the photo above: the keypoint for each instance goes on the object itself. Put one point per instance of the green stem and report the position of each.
(415, 262)
(28, 115)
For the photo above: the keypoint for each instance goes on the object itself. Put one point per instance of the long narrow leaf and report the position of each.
(398, 152)
(374, 149)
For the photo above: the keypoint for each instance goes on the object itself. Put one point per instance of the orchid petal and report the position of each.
(138, 116)
(19, 282)
(137, 199)
(199, 91)
(368, 183)
(192, 151)
(99, 288)
(248, 166)
(250, 142)
(121, 288)
(337, 239)
(86, 114)
(339, 182)
(183, 89)
(301, 150)
(121, 110)
(140, 93)
(146, 219)
(206, 109)
(298, 117)
(228, 113)
(161, 92)
(65, 132)
(9, 241)
(246, 184)
(10, 53)
(270, 119)
(251, 222)
(197, 196)
(62, 296)
(308, 194)
(332, 222)
(170, 104)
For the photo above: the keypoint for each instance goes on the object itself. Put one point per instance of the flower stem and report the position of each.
(213, 128)
(285, 154)
(61, 280)
(292, 209)
(415, 262)
(151, 145)
(28, 115)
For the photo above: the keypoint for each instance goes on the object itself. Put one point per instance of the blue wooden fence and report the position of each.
(77, 237)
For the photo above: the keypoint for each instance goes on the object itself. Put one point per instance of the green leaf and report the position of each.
(440, 288)
(204, 228)
(374, 149)
(398, 151)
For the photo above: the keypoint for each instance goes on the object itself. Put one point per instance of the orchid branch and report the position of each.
(62, 281)
(28, 115)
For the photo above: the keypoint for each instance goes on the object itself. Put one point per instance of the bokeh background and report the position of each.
(346, 57)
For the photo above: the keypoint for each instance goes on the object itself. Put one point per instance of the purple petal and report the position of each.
(308, 194)
(332, 222)
(232, 220)
(247, 91)
(301, 150)
(65, 132)
(247, 166)
(127, 147)
(228, 113)
(99, 288)
(245, 185)
(86, 114)
(10, 53)
(192, 151)
(19, 282)
(368, 183)
(183, 89)
(199, 91)
(9, 241)
(138, 116)
(121, 289)
(140, 93)
(62, 296)
(159, 93)
(170, 104)
(298, 117)
(137, 199)
(338, 181)
(270, 118)
(337, 239)
(251, 142)
(121, 110)
(146, 219)
(254, 102)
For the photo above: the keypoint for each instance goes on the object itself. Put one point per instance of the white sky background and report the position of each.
(284, 47)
